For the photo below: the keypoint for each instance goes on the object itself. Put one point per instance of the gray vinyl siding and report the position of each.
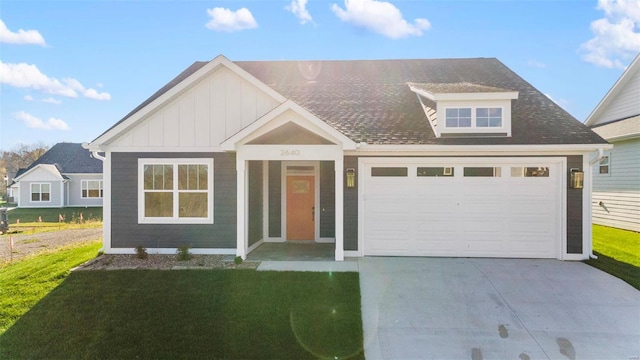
(275, 199)
(255, 202)
(25, 195)
(73, 197)
(574, 210)
(616, 196)
(127, 233)
(327, 199)
(351, 208)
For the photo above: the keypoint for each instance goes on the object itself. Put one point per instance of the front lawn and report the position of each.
(618, 253)
(192, 314)
(25, 282)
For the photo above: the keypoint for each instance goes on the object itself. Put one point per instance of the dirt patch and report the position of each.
(28, 244)
(165, 262)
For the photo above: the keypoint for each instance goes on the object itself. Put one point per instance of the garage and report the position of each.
(462, 207)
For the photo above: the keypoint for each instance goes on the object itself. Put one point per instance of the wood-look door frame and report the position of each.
(283, 183)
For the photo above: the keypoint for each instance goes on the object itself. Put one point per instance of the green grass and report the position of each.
(618, 253)
(29, 224)
(192, 314)
(24, 283)
(70, 214)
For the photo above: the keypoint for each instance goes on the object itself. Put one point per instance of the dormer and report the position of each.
(466, 109)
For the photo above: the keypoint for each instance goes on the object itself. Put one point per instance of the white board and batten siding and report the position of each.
(457, 215)
(616, 196)
(202, 117)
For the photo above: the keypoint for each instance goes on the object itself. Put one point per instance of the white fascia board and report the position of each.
(253, 130)
(613, 92)
(501, 150)
(511, 95)
(623, 137)
(508, 95)
(213, 65)
(175, 149)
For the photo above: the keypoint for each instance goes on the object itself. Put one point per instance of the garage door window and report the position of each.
(435, 171)
(482, 172)
(389, 171)
(539, 171)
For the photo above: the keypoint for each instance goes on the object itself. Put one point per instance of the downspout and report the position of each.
(592, 163)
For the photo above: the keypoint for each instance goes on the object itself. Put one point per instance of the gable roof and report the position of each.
(371, 101)
(615, 90)
(68, 158)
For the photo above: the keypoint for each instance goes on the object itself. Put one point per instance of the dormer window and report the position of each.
(484, 117)
(464, 109)
(458, 117)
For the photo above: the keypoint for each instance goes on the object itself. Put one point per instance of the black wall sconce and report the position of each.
(577, 178)
(351, 177)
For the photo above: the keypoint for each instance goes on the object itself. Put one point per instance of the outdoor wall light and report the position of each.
(577, 178)
(351, 177)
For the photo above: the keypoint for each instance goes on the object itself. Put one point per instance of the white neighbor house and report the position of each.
(67, 175)
(616, 179)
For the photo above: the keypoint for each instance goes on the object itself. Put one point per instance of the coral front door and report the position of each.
(301, 207)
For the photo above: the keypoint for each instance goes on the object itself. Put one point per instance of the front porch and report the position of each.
(293, 251)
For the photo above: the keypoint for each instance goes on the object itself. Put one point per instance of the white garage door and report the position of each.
(484, 207)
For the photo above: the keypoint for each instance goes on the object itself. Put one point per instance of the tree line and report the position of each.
(20, 156)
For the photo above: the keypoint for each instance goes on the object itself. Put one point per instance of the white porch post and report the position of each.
(339, 170)
(241, 249)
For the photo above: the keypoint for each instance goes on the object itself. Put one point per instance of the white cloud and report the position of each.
(51, 100)
(616, 35)
(28, 97)
(29, 76)
(223, 19)
(299, 9)
(33, 122)
(30, 37)
(380, 17)
(95, 95)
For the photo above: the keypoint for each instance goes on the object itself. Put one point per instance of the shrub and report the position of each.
(183, 253)
(237, 260)
(141, 252)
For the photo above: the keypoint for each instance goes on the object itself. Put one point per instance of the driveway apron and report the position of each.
(461, 308)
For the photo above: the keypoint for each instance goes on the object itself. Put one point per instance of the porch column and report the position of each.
(241, 249)
(339, 170)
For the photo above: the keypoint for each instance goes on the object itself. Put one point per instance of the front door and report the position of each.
(301, 207)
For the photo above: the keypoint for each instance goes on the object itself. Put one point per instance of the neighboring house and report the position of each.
(451, 157)
(66, 175)
(616, 179)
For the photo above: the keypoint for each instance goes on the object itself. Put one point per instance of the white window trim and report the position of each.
(606, 154)
(175, 162)
(473, 118)
(40, 192)
(82, 187)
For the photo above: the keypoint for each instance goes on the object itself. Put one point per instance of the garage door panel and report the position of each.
(506, 216)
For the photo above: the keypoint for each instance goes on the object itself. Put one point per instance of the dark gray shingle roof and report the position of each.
(370, 100)
(69, 158)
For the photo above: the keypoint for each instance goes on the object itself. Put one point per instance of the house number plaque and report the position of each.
(294, 152)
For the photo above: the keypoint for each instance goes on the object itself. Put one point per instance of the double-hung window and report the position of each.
(92, 189)
(603, 166)
(40, 192)
(175, 191)
(473, 117)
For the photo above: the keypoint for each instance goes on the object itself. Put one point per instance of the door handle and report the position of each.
(313, 213)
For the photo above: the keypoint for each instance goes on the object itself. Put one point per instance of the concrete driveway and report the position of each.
(446, 308)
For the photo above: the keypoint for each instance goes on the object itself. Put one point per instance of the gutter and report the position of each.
(95, 155)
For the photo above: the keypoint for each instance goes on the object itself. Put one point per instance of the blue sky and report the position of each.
(71, 69)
